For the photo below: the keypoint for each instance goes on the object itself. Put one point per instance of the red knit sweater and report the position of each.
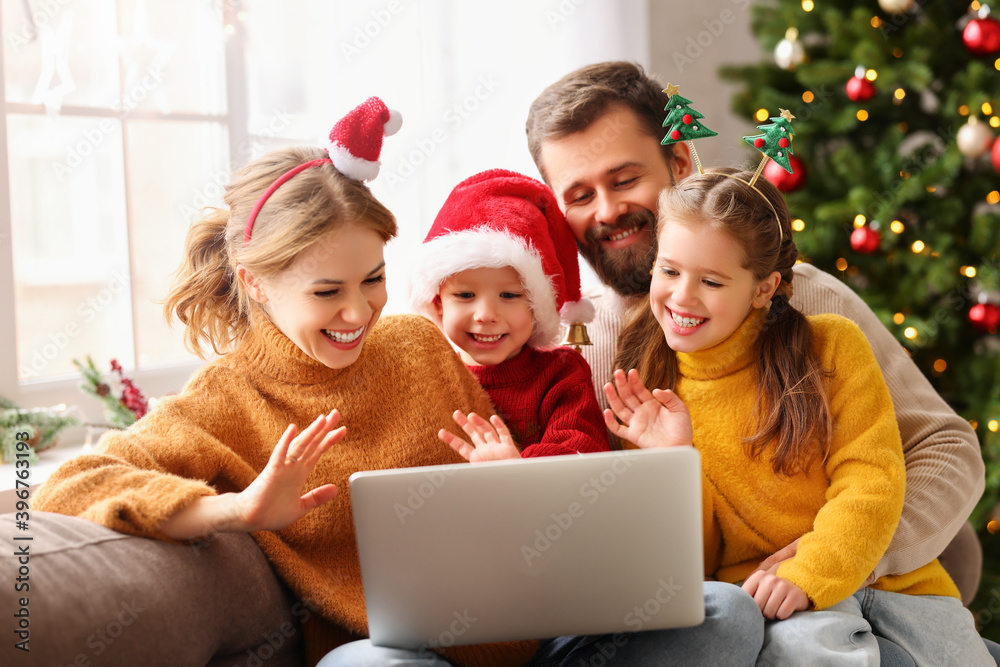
(546, 398)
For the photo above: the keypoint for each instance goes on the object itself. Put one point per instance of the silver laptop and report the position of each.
(528, 549)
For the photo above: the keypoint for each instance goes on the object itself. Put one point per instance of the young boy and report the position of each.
(498, 274)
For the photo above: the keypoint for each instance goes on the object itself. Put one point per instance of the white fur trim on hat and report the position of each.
(454, 252)
(351, 165)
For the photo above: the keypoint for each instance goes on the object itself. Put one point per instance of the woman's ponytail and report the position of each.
(205, 296)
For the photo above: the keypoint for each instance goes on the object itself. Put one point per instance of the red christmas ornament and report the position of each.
(859, 89)
(781, 179)
(985, 317)
(865, 240)
(982, 36)
(995, 156)
(687, 119)
(675, 135)
(758, 142)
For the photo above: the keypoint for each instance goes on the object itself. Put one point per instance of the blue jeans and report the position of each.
(994, 650)
(731, 635)
(893, 656)
(931, 629)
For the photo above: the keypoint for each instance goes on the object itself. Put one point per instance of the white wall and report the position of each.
(689, 42)
(681, 43)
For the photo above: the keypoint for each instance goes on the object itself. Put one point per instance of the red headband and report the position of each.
(353, 146)
(270, 191)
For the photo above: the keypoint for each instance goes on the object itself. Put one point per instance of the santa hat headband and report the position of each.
(501, 218)
(353, 145)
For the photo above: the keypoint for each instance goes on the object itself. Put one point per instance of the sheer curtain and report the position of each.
(461, 73)
(168, 95)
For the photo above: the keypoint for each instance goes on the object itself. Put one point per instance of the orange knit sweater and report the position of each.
(216, 437)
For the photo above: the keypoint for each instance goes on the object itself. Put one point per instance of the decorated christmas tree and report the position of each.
(897, 104)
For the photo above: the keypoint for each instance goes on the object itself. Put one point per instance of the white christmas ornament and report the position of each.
(896, 6)
(789, 52)
(974, 138)
(929, 102)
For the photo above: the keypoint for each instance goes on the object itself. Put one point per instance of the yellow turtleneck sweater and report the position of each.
(216, 437)
(845, 511)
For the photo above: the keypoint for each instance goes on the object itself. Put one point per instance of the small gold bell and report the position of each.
(576, 335)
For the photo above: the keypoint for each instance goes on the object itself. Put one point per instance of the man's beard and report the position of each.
(625, 270)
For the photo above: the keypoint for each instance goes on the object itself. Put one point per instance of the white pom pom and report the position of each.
(581, 311)
(393, 124)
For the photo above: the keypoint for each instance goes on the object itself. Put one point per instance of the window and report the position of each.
(124, 118)
(116, 117)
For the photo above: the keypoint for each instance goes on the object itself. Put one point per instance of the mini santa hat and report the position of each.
(355, 142)
(354, 145)
(501, 218)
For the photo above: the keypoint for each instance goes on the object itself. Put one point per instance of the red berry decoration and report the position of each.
(132, 397)
(865, 240)
(982, 36)
(781, 179)
(687, 119)
(995, 156)
(985, 317)
(675, 135)
(859, 89)
(758, 142)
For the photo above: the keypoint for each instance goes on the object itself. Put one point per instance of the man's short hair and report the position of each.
(575, 101)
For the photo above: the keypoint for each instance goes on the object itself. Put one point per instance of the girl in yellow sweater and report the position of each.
(796, 431)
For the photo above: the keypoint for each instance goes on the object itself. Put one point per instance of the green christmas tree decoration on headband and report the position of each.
(682, 120)
(775, 142)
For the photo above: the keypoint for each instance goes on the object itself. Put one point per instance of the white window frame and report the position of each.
(156, 380)
(555, 19)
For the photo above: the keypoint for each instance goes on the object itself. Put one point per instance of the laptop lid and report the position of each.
(527, 549)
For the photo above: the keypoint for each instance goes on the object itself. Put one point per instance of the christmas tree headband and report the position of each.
(775, 142)
(353, 146)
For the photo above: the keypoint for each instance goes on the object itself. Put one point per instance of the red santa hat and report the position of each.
(501, 218)
(355, 142)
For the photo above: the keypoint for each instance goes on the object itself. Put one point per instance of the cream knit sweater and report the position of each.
(945, 475)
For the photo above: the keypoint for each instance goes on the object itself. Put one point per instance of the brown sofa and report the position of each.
(97, 597)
